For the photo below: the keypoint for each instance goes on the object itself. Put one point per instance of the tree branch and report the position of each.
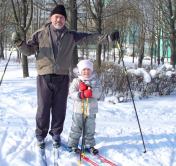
(16, 19)
(31, 15)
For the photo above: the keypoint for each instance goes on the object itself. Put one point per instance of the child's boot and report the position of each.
(92, 150)
(75, 149)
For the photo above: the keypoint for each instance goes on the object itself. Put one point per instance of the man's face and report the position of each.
(58, 20)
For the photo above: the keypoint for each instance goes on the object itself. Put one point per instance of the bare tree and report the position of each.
(97, 17)
(20, 11)
(5, 16)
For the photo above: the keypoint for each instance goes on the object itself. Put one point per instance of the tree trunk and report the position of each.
(151, 54)
(133, 48)
(142, 45)
(108, 54)
(153, 42)
(141, 56)
(155, 53)
(104, 51)
(159, 48)
(140, 60)
(172, 62)
(98, 57)
(114, 55)
(172, 40)
(2, 50)
(73, 26)
(24, 58)
(25, 61)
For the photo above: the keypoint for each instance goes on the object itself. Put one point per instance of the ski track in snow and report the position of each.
(15, 139)
(117, 132)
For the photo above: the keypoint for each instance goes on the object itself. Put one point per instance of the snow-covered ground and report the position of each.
(117, 132)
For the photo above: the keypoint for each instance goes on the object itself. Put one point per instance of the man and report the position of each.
(54, 44)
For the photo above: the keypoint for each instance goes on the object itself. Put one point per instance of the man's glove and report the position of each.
(82, 86)
(114, 35)
(16, 38)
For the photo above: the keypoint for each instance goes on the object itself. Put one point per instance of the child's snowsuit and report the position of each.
(76, 128)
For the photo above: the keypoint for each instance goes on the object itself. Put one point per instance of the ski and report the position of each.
(43, 156)
(83, 157)
(56, 156)
(102, 158)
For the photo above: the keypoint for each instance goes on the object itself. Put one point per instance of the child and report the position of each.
(79, 90)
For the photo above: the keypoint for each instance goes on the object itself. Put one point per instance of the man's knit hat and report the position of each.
(59, 9)
(82, 65)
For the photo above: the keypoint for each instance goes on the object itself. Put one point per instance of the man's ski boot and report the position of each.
(75, 149)
(92, 150)
(56, 140)
(41, 143)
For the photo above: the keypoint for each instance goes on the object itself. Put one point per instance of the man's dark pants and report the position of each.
(52, 99)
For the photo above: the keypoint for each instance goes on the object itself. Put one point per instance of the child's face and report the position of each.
(86, 73)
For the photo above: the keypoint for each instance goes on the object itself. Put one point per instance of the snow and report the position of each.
(164, 69)
(117, 132)
(153, 73)
(143, 72)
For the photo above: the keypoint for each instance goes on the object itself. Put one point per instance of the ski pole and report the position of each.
(6, 64)
(131, 94)
(84, 115)
(83, 124)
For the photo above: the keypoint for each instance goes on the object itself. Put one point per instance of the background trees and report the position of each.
(164, 17)
(147, 27)
(5, 25)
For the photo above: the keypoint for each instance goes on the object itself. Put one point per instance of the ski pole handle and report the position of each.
(89, 88)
